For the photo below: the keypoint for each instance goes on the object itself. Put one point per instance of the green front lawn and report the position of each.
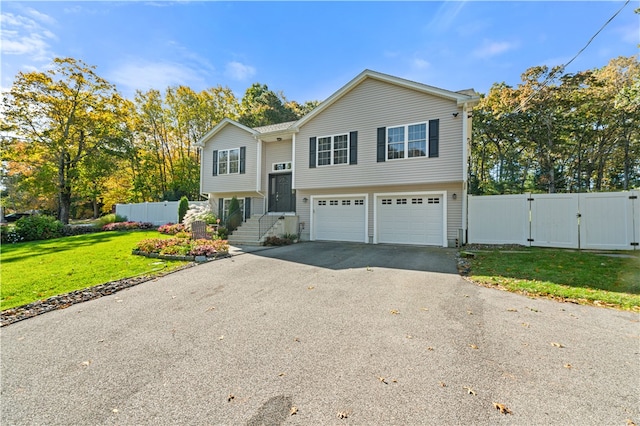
(40, 269)
(607, 279)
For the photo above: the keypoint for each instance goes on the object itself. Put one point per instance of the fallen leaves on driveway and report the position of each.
(469, 390)
(293, 410)
(503, 408)
(343, 414)
(394, 312)
(473, 346)
(557, 345)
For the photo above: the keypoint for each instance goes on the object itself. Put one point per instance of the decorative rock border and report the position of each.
(62, 301)
(199, 259)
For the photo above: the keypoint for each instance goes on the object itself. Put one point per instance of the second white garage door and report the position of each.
(340, 219)
(410, 219)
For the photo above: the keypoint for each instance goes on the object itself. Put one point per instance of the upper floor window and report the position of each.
(229, 161)
(333, 150)
(407, 141)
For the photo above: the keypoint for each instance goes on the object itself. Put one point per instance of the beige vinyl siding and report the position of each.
(273, 152)
(371, 105)
(454, 207)
(229, 137)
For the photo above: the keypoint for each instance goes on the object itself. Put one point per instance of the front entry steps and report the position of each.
(247, 234)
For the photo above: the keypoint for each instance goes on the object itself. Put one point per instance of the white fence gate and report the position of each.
(158, 213)
(604, 220)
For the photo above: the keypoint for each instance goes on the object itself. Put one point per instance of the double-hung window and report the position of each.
(407, 141)
(333, 150)
(229, 161)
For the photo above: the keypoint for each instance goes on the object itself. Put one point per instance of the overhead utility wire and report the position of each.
(562, 68)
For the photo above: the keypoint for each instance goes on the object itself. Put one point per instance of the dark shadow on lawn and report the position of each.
(341, 255)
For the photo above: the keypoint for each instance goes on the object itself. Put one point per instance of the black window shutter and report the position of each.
(243, 154)
(434, 136)
(353, 148)
(247, 208)
(215, 163)
(382, 144)
(220, 208)
(312, 152)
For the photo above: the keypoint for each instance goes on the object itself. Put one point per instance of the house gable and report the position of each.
(226, 139)
(369, 105)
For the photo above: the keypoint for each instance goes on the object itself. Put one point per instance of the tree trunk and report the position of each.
(64, 189)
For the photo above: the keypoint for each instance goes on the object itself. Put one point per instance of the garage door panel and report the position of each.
(410, 219)
(340, 219)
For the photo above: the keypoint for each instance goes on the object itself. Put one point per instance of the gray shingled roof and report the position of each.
(274, 127)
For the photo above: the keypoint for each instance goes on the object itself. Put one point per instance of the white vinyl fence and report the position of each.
(604, 220)
(157, 213)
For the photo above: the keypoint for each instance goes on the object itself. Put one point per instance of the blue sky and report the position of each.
(308, 50)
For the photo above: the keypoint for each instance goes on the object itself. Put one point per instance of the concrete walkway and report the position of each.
(338, 333)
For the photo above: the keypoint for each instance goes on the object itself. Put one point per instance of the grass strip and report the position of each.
(587, 277)
(37, 270)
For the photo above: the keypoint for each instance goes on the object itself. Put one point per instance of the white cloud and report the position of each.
(629, 34)
(238, 71)
(39, 16)
(131, 76)
(420, 64)
(493, 48)
(446, 15)
(22, 35)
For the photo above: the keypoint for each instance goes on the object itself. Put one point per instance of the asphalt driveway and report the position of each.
(333, 333)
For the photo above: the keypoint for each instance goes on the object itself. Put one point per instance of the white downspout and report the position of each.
(293, 161)
(259, 176)
(466, 138)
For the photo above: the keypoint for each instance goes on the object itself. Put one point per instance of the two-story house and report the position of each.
(382, 160)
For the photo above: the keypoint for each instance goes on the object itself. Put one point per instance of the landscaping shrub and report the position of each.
(109, 218)
(278, 241)
(8, 234)
(194, 213)
(235, 215)
(171, 228)
(70, 230)
(38, 227)
(127, 226)
(182, 246)
(223, 232)
(183, 207)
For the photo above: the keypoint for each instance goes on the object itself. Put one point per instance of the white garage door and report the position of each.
(339, 219)
(410, 219)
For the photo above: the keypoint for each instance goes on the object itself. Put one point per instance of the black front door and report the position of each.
(281, 196)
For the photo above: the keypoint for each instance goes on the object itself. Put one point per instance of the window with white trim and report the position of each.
(229, 161)
(407, 141)
(225, 210)
(333, 150)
